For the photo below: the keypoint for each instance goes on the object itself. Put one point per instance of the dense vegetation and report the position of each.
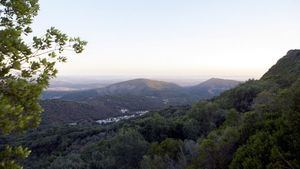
(25, 70)
(255, 125)
(133, 95)
(152, 88)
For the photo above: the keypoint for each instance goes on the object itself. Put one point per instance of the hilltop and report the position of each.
(132, 95)
(253, 125)
(212, 87)
(140, 87)
(286, 70)
(154, 88)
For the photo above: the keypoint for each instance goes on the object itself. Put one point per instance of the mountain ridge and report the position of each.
(143, 86)
(254, 125)
(132, 95)
(135, 85)
(286, 70)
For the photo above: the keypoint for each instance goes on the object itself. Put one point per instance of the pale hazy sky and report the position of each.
(178, 38)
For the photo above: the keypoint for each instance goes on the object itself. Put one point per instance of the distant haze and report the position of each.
(175, 38)
(86, 82)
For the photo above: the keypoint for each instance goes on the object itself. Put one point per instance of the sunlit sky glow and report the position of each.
(177, 38)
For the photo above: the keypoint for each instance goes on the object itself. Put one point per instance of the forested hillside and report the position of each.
(133, 95)
(255, 125)
(150, 88)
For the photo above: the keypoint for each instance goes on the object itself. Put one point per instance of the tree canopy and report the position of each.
(25, 70)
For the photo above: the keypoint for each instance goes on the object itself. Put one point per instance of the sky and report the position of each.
(174, 38)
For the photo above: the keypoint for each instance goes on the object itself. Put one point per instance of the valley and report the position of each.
(133, 95)
(157, 84)
(257, 118)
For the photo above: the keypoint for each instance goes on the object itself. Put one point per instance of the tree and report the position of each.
(124, 150)
(208, 115)
(255, 154)
(25, 70)
(216, 150)
(167, 154)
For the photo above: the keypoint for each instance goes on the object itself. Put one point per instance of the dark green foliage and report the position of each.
(8, 153)
(154, 128)
(241, 98)
(167, 154)
(170, 153)
(52, 144)
(190, 128)
(125, 150)
(72, 161)
(134, 95)
(25, 70)
(255, 154)
(208, 116)
(216, 150)
(156, 93)
(62, 112)
(274, 142)
(286, 71)
(266, 134)
(169, 147)
(163, 124)
(255, 125)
